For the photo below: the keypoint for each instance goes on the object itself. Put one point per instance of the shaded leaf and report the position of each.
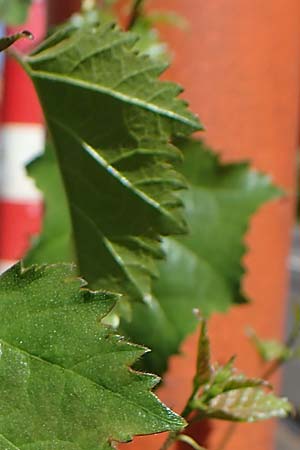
(65, 378)
(203, 270)
(219, 205)
(112, 133)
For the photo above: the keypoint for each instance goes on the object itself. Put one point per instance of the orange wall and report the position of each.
(239, 63)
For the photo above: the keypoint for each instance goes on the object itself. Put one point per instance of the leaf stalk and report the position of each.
(135, 13)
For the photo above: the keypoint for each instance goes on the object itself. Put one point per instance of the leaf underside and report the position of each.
(112, 134)
(65, 381)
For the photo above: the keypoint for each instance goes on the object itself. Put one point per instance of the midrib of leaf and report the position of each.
(116, 94)
(4, 443)
(107, 243)
(126, 38)
(76, 374)
(115, 173)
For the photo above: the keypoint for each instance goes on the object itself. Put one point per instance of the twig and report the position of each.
(135, 13)
(227, 436)
(173, 436)
(190, 441)
(273, 368)
(170, 439)
(176, 436)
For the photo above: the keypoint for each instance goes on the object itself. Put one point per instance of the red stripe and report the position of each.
(20, 103)
(18, 223)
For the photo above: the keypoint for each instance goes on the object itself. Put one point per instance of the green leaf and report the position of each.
(55, 243)
(220, 392)
(203, 270)
(203, 366)
(6, 42)
(219, 204)
(111, 122)
(14, 12)
(5, 445)
(150, 42)
(230, 395)
(270, 349)
(225, 378)
(65, 377)
(245, 405)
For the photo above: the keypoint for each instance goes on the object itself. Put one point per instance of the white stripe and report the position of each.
(19, 144)
(5, 265)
